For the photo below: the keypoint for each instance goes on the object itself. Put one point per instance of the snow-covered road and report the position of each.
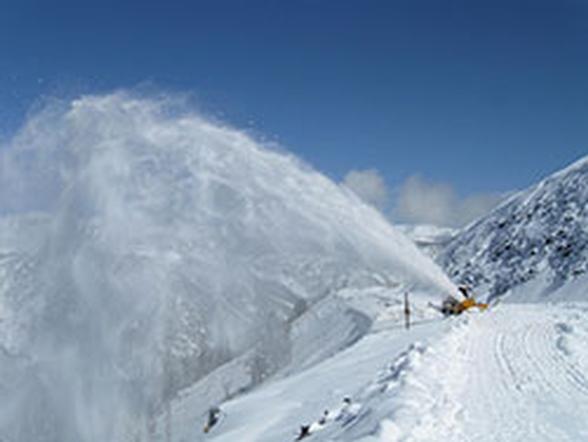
(518, 373)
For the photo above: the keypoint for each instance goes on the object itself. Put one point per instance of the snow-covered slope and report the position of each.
(517, 373)
(539, 236)
(274, 411)
(144, 249)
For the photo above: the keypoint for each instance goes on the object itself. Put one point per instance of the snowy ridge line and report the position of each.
(528, 194)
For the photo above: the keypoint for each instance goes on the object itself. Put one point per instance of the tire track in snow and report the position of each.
(499, 390)
(566, 357)
(508, 375)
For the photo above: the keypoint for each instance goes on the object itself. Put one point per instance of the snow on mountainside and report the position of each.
(538, 237)
(144, 249)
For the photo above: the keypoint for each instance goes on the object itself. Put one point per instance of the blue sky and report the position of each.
(480, 96)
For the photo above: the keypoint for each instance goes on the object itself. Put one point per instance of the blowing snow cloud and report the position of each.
(145, 246)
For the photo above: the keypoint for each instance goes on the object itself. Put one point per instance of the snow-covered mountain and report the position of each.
(145, 249)
(538, 237)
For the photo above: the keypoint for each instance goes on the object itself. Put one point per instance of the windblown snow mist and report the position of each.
(141, 246)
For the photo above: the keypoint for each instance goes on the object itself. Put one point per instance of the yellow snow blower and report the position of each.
(452, 306)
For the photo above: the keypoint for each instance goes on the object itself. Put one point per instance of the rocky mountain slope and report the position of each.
(540, 234)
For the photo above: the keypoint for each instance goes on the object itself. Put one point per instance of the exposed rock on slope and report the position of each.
(542, 231)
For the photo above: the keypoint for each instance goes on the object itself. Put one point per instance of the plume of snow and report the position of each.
(146, 246)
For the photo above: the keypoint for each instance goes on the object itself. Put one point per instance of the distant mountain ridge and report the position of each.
(540, 231)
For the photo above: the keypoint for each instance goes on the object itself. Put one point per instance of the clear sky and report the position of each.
(483, 96)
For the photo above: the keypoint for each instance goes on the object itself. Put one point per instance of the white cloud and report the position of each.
(369, 186)
(420, 201)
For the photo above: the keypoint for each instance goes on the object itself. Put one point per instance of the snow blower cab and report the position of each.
(452, 306)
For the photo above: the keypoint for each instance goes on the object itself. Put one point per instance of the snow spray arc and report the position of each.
(142, 246)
